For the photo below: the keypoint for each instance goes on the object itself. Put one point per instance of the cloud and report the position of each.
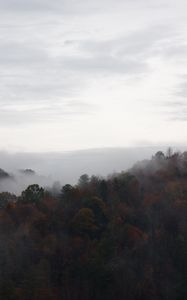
(57, 6)
(81, 6)
(20, 115)
(31, 74)
(181, 89)
(64, 59)
(39, 85)
(175, 110)
(29, 5)
(180, 115)
(21, 53)
(131, 43)
(125, 54)
(104, 64)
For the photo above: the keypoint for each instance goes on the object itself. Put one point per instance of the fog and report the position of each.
(67, 167)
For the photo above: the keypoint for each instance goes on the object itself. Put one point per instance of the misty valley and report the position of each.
(121, 236)
(93, 201)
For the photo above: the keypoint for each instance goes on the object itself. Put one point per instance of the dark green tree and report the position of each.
(33, 194)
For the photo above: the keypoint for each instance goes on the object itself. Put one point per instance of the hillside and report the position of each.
(4, 175)
(120, 237)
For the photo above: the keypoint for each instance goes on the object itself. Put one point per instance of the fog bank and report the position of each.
(67, 167)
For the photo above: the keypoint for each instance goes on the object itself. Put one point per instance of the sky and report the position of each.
(80, 74)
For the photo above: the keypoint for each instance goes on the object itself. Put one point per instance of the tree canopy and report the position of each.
(121, 237)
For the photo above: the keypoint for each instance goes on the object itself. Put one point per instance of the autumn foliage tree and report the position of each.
(121, 237)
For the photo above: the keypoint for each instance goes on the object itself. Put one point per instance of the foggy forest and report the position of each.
(93, 149)
(123, 236)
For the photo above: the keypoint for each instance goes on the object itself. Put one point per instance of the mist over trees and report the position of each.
(118, 237)
(66, 167)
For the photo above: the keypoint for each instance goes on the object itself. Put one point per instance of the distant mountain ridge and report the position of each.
(4, 174)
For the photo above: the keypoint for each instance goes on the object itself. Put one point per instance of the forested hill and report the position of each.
(121, 237)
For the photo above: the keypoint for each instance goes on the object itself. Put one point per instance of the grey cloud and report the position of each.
(30, 74)
(182, 90)
(77, 7)
(124, 54)
(177, 51)
(173, 104)
(48, 113)
(180, 115)
(36, 91)
(175, 110)
(21, 53)
(104, 64)
(136, 43)
(58, 6)
(27, 5)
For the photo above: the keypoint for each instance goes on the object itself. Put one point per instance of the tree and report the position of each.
(6, 198)
(84, 221)
(33, 194)
(66, 189)
(169, 152)
(103, 188)
(99, 208)
(83, 180)
(159, 156)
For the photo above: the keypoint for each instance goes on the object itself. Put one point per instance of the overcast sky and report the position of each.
(78, 74)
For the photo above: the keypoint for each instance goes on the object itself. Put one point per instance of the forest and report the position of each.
(119, 237)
